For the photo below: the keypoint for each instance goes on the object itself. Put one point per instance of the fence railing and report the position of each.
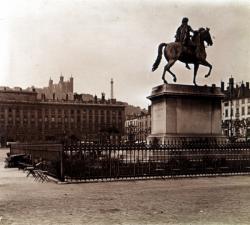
(90, 162)
(49, 154)
(86, 162)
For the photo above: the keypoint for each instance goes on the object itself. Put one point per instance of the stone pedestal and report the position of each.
(184, 111)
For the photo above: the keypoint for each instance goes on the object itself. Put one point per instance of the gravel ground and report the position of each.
(221, 200)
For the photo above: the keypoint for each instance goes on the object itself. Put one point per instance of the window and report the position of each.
(248, 110)
(237, 112)
(232, 112)
(248, 100)
(243, 111)
(243, 101)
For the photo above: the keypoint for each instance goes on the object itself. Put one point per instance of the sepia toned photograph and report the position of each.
(124, 112)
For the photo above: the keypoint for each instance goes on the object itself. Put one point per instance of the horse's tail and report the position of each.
(158, 59)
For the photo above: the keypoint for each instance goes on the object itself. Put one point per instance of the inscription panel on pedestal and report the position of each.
(194, 116)
(159, 117)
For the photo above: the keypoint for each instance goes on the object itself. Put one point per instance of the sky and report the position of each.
(96, 40)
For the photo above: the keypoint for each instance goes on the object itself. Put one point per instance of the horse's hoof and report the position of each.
(175, 79)
(165, 82)
(207, 75)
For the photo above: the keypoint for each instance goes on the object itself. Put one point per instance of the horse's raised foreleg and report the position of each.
(167, 68)
(207, 64)
(196, 67)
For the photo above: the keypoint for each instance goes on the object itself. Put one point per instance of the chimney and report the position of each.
(231, 84)
(231, 81)
(112, 89)
(242, 87)
(213, 88)
(247, 85)
(222, 86)
(231, 87)
(103, 96)
(61, 78)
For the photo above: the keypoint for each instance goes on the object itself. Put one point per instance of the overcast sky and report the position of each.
(99, 40)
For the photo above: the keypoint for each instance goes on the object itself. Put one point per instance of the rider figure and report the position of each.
(183, 34)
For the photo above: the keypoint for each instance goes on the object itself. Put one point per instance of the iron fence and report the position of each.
(103, 162)
(88, 161)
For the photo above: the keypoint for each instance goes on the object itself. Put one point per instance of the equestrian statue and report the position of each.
(185, 49)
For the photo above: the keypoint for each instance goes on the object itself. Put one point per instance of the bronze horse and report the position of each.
(194, 54)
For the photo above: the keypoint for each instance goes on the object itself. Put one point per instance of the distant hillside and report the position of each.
(133, 110)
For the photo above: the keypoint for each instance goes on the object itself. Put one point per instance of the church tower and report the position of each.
(71, 84)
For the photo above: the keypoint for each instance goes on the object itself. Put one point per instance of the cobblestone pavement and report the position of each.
(217, 200)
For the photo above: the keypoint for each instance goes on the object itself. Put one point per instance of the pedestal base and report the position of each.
(183, 111)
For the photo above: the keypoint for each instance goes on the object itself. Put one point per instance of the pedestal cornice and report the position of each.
(186, 90)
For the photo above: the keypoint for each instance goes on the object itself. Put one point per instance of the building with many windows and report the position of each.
(236, 110)
(138, 127)
(25, 117)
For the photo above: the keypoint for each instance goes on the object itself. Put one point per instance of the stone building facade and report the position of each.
(26, 117)
(236, 110)
(138, 127)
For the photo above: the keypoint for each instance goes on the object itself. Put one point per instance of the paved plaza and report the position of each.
(217, 200)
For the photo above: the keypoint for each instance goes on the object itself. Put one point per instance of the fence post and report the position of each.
(62, 178)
